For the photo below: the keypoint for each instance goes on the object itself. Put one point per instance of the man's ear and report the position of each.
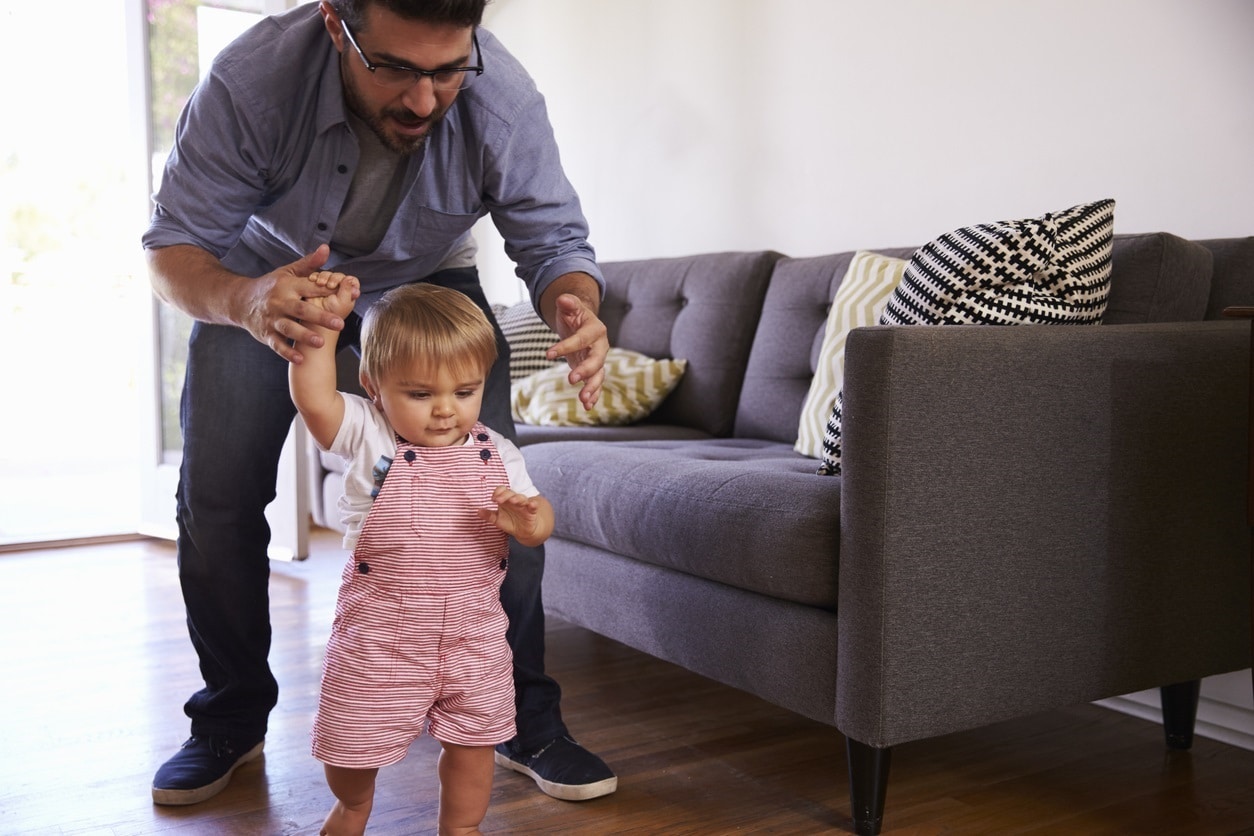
(331, 21)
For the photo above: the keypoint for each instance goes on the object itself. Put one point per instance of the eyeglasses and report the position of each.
(398, 78)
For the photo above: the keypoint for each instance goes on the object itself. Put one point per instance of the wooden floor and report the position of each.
(95, 664)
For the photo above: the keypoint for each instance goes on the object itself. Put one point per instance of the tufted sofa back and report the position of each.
(1155, 277)
(703, 308)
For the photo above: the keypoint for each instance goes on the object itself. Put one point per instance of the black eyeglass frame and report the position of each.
(418, 74)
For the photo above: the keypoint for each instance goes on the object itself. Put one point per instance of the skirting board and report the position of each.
(1225, 709)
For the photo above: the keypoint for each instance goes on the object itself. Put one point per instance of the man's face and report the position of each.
(401, 117)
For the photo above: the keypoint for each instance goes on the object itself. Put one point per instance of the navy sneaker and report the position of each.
(561, 768)
(201, 768)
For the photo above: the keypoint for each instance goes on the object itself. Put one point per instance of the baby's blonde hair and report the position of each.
(427, 323)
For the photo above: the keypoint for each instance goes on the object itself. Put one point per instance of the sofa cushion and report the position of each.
(529, 337)
(744, 512)
(860, 300)
(703, 308)
(641, 431)
(1158, 277)
(788, 341)
(634, 386)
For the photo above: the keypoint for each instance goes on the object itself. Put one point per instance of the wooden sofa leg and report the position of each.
(1180, 712)
(868, 783)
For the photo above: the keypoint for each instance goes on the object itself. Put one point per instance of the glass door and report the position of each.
(72, 281)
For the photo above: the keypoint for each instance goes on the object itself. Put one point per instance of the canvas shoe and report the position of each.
(562, 768)
(201, 768)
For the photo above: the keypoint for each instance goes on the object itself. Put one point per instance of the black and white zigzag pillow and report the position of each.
(1054, 269)
(528, 337)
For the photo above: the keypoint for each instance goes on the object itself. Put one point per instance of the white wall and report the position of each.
(815, 126)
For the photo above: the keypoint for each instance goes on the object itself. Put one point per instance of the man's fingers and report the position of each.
(318, 315)
(307, 264)
(590, 393)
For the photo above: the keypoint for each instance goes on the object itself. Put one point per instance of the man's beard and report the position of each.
(379, 121)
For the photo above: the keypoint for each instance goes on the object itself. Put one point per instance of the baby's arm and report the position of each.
(312, 383)
(528, 519)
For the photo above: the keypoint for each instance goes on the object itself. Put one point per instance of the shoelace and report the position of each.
(218, 745)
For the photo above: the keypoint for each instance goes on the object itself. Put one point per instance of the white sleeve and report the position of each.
(515, 465)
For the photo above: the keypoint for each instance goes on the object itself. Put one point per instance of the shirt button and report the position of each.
(342, 169)
(322, 227)
(410, 455)
(363, 568)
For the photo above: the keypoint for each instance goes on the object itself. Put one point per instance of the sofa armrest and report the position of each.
(1037, 516)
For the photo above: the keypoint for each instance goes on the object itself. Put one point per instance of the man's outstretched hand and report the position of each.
(584, 343)
(280, 306)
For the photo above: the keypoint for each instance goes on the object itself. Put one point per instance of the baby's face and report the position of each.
(431, 406)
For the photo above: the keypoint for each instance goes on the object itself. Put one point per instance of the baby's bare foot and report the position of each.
(345, 821)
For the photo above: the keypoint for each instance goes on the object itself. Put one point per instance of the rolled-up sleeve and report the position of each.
(213, 180)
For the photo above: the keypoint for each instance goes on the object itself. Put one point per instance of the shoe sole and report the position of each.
(562, 792)
(180, 798)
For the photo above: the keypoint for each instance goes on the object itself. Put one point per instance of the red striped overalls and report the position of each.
(419, 632)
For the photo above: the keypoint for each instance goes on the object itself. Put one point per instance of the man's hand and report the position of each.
(584, 343)
(278, 307)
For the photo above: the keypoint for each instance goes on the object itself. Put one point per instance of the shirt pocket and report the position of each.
(428, 230)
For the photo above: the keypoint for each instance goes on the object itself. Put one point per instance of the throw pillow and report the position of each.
(634, 386)
(1054, 269)
(528, 336)
(859, 301)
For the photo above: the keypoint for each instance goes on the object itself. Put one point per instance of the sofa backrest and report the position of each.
(703, 308)
(1155, 277)
(786, 346)
(1232, 281)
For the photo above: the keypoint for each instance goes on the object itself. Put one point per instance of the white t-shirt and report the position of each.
(365, 436)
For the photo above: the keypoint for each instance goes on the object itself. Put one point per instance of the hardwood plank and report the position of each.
(97, 665)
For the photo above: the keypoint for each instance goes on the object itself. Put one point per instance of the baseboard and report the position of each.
(1225, 709)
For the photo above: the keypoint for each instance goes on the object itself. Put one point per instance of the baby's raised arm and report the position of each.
(312, 382)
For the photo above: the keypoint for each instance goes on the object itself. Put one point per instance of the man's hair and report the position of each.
(429, 324)
(461, 13)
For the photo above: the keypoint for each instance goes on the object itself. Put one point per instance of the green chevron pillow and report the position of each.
(859, 301)
(635, 385)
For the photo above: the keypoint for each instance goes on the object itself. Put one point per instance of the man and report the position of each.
(367, 137)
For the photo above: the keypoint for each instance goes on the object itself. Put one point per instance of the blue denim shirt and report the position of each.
(263, 157)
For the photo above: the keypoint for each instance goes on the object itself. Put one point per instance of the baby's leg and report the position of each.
(354, 793)
(465, 787)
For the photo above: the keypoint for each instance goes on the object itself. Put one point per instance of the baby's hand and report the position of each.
(515, 514)
(345, 290)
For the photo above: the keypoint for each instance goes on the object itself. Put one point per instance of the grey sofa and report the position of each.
(1028, 517)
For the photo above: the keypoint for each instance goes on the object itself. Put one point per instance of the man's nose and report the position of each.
(420, 98)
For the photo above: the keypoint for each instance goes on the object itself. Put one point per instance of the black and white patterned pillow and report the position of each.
(1054, 269)
(528, 337)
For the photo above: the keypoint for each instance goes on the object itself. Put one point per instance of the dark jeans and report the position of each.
(235, 415)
